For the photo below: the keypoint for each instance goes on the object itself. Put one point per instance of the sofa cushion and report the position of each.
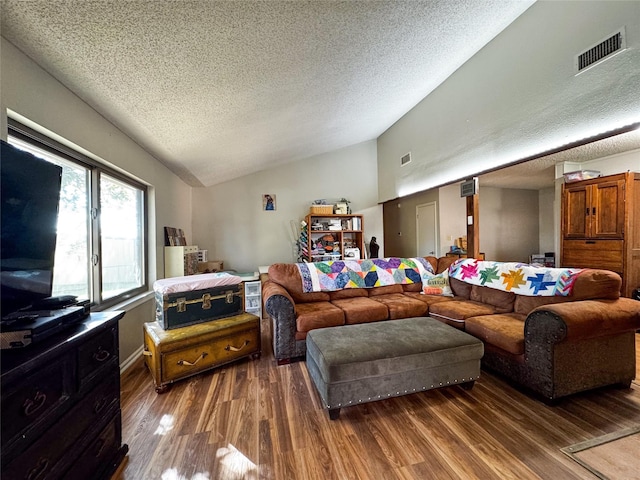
(505, 331)
(433, 261)
(444, 263)
(503, 301)
(402, 306)
(412, 287)
(348, 293)
(362, 310)
(288, 275)
(459, 288)
(317, 315)
(428, 299)
(385, 290)
(590, 284)
(456, 312)
(525, 304)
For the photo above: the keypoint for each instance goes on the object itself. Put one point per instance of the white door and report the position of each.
(427, 229)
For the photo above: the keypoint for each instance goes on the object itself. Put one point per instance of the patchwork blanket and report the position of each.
(519, 278)
(376, 272)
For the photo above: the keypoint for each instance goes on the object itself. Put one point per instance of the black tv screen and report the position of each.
(30, 192)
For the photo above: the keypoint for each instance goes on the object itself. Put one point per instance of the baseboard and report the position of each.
(124, 366)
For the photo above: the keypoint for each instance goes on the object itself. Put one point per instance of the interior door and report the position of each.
(427, 229)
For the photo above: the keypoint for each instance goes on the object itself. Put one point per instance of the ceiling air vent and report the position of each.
(603, 50)
(405, 159)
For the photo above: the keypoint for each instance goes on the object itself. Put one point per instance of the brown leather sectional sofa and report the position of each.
(554, 346)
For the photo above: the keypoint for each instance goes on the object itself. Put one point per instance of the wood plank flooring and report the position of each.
(255, 420)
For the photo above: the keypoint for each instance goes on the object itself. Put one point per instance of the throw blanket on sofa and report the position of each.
(519, 278)
(376, 272)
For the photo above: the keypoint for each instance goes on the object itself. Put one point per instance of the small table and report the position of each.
(352, 364)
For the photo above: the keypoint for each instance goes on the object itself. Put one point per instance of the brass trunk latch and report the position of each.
(206, 301)
(181, 304)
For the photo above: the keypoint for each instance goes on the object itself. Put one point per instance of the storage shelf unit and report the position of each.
(253, 298)
(349, 236)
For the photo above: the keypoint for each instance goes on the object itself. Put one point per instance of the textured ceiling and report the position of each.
(218, 90)
(540, 173)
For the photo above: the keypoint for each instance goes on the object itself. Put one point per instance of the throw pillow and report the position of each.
(436, 284)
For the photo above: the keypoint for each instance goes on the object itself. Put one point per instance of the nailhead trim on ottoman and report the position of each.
(361, 363)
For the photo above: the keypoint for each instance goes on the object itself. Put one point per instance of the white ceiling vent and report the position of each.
(608, 47)
(405, 159)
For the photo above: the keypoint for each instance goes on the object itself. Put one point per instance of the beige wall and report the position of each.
(509, 228)
(38, 97)
(229, 222)
(516, 97)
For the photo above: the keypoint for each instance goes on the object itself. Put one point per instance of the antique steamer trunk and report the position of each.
(179, 353)
(192, 299)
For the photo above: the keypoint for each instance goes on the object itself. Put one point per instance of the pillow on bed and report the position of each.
(436, 284)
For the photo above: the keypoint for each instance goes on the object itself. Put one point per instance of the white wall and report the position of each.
(229, 222)
(546, 221)
(452, 212)
(622, 162)
(35, 95)
(509, 229)
(518, 96)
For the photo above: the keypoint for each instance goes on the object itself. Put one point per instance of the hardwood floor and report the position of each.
(254, 420)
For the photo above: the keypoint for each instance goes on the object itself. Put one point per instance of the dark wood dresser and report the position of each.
(61, 404)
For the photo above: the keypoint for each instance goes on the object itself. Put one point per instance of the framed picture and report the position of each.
(269, 201)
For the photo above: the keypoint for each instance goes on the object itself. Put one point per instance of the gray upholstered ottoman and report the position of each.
(361, 363)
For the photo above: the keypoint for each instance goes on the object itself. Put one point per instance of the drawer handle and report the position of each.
(189, 364)
(99, 405)
(99, 447)
(38, 470)
(590, 242)
(236, 349)
(31, 406)
(101, 355)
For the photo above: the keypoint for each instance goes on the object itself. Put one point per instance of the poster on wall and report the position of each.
(269, 201)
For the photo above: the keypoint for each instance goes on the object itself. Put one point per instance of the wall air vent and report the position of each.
(405, 159)
(606, 48)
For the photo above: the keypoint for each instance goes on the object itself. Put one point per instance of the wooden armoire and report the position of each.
(601, 226)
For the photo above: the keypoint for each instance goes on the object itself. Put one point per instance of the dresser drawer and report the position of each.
(97, 458)
(94, 354)
(604, 254)
(57, 447)
(31, 404)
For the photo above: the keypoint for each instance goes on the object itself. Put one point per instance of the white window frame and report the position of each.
(25, 134)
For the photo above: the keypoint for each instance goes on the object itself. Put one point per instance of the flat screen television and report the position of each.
(30, 192)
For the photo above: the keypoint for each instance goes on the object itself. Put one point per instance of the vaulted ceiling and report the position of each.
(220, 89)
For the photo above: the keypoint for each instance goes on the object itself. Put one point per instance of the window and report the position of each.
(101, 244)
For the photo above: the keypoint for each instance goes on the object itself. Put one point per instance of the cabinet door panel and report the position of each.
(607, 209)
(576, 209)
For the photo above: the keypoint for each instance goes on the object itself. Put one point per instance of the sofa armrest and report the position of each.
(282, 310)
(581, 320)
(270, 289)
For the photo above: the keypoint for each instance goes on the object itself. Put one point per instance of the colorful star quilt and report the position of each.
(519, 278)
